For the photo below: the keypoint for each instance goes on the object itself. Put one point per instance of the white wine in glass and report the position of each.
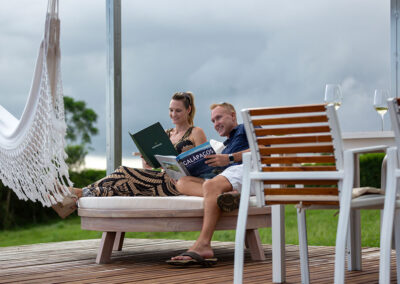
(380, 102)
(333, 95)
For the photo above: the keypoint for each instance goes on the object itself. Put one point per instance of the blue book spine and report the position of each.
(193, 160)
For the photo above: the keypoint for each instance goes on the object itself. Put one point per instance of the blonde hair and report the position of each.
(188, 101)
(226, 106)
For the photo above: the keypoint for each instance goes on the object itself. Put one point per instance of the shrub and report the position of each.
(86, 177)
(370, 169)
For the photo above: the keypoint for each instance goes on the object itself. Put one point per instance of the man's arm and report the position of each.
(222, 160)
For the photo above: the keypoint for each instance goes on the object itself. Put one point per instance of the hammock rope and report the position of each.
(32, 156)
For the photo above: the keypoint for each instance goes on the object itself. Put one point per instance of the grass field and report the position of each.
(321, 226)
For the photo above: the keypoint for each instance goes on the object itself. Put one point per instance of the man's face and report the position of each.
(224, 121)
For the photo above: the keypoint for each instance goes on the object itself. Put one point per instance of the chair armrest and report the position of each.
(372, 149)
(351, 155)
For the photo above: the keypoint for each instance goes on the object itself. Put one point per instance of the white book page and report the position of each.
(217, 146)
(171, 166)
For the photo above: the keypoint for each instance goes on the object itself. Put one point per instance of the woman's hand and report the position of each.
(217, 160)
(145, 165)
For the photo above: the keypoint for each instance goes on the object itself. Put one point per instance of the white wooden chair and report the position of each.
(297, 158)
(391, 213)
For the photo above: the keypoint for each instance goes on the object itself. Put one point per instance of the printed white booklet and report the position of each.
(192, 162)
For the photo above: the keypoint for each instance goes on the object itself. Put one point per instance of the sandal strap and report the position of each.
(194, 256)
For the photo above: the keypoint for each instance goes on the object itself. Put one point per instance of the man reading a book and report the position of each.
(223, 116)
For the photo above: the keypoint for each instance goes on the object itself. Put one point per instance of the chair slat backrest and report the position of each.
(295, 139)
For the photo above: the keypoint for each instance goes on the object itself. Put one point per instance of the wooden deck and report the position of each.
(142, 261)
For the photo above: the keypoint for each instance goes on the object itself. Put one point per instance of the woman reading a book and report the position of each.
(145, 182)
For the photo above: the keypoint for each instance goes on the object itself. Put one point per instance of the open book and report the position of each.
(153, 141)
(192, 162)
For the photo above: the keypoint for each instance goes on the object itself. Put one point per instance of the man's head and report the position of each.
(223, 116)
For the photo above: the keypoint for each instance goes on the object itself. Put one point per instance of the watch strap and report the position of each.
(231, 159)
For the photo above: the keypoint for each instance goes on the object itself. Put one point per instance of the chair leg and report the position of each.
(278, 244)
(340, 250)
(119, 241)
(388, 219)
(303, 245)
(397, 241)
(106, 246)
(354, 241)
(345, 188)
(354, 229)
(254, 244)
(341, 237)
(386, 239)
(240, 230)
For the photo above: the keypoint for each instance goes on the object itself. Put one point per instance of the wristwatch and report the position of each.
(231, 159)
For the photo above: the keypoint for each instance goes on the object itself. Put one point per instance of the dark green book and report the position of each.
(153, 141)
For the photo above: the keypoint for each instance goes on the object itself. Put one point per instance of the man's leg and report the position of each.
(211, 189)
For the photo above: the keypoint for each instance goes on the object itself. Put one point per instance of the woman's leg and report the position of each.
(123, 182)
(133, 182)
(191, 186)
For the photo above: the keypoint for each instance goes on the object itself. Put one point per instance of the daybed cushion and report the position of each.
(145, 202)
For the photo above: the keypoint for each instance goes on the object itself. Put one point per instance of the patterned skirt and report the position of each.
(133, 182)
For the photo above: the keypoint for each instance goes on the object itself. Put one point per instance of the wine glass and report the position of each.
(333, 95)
(380, 102)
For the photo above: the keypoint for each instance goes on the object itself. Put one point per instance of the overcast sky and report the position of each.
(249, 52)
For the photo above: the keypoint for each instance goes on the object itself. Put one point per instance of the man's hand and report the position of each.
(217, 160)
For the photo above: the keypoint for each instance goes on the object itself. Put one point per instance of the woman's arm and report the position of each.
(198, 136)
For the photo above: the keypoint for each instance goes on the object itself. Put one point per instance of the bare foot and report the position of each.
(76, 191)
(68, 205)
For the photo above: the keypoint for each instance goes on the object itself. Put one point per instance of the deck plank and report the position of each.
(142, 260)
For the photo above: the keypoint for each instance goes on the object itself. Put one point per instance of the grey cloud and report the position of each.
(250, 53)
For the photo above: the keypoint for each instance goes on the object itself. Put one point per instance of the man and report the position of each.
(223, 116)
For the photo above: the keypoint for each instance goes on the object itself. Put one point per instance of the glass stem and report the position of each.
(382, 121)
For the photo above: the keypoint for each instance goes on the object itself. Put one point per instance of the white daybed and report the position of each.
(116, 215)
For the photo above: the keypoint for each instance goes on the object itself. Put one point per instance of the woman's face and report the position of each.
(177, 112)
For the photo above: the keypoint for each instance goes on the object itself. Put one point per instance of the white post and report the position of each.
(394, 46)
(113, 85)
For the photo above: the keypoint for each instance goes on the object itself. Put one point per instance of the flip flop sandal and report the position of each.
(228, 202)
(196, 260)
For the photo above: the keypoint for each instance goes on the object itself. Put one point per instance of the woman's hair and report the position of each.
(188, 101)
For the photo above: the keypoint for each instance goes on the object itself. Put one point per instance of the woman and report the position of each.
(145, 182)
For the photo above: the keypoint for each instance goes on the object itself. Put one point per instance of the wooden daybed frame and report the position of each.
(114, 223)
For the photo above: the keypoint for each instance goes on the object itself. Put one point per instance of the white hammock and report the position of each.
(32, 148)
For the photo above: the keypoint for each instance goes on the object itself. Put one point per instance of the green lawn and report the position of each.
(321, 226)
